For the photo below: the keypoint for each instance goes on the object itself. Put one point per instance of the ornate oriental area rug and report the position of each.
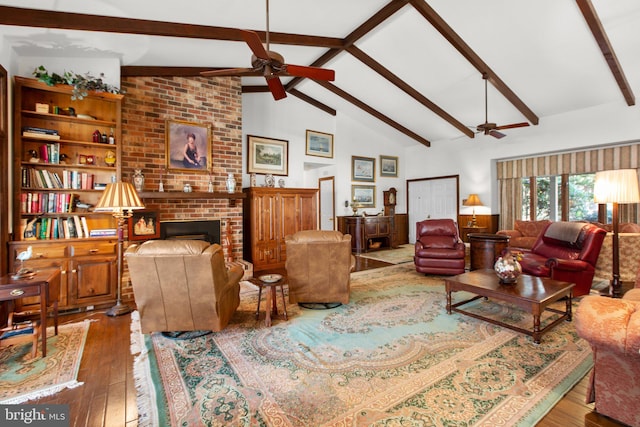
(392, 356)
(23, 378)
(404, 253)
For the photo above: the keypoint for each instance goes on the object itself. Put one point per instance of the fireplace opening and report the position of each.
(208, 230)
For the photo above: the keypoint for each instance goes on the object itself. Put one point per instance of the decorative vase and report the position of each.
(508, 268)
(186, 188)
(138, 179)
(253, 182)
(269, 180)
(231, 184)
(281, 183)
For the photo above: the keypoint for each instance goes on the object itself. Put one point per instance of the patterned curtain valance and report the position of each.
(619, 157)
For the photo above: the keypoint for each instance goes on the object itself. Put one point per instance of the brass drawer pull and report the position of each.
(16, 292)
(39, 255)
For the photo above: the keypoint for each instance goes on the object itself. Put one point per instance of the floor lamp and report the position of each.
(473, 200)
(120, 199)
(615, 187)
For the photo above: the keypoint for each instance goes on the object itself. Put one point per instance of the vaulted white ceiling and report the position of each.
(542, 50)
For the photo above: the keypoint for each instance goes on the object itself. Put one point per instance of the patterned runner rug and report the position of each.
(23, 378)
(392, 356)
(404, 253)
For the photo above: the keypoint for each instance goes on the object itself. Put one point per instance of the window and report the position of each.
(545, 195)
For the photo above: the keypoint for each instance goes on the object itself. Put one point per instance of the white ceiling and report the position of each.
(543, 50)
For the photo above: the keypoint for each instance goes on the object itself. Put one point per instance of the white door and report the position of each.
(327, 203)
(431, 198)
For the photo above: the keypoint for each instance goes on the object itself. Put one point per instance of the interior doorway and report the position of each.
(431, 198)
(327, 203)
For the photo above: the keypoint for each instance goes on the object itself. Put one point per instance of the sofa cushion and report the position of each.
(438, 242)
(530, 228)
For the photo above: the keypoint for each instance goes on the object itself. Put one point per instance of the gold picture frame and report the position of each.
(267, 155)
(196, 157)
(319, 144)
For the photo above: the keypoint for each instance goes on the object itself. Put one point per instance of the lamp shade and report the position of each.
(616, 186)
(472, 200)
(119, 197)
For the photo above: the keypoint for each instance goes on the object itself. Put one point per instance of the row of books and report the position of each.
(47, 202)
(70, 179)
(50, 153)
(40, 133)
(57, 228)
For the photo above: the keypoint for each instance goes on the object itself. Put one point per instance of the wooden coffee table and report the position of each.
(533, 294)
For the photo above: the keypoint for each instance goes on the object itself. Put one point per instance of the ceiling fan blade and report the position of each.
(255, 44)
(310, 72)
(513, 126)
(231, 72)
(494, 133)
(276, 87)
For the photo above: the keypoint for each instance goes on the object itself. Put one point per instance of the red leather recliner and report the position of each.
(566, 251)
(438, 248)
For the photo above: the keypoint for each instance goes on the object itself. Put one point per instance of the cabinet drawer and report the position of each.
(52, 250)
(93, 248)
(17, 291)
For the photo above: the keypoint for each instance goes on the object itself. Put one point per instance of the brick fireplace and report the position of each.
(148, 103)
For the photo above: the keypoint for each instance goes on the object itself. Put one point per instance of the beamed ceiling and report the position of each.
(415, 66)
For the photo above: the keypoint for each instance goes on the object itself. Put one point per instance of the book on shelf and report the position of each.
(45, 131)
(85, 226)
(78, 226)
(40, 135)
(103, 232)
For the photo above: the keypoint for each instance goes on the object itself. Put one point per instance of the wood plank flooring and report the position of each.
(108, 396)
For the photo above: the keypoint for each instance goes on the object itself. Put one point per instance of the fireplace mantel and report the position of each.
(173, 195)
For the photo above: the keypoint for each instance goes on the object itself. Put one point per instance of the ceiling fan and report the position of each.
(492, 128)
(271, 65)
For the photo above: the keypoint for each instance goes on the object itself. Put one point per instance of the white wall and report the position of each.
(289, 119)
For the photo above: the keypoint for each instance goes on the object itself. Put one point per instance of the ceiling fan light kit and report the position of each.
(271, 65)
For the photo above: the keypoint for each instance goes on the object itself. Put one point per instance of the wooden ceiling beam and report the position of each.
(409, 90)
(461, 46)
(595, 25)
(375, 113)
(23, 17)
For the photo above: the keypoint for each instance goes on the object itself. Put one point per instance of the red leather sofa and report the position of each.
(438, 249)
(566, 251)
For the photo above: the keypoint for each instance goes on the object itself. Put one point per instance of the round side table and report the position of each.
(272, 307)
(485, 248)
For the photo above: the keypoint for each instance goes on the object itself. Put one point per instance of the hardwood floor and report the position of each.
(108, 396)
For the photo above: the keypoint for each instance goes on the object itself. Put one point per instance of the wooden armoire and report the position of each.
(270, 214)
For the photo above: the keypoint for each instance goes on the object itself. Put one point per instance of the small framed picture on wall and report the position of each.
(388, 166)
(363, 169)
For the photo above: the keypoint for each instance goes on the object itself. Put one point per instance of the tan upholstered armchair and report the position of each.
(182, 285)
(612, 327)
(318, 266)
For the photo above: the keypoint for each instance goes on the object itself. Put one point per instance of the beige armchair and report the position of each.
(182, 285)
(319, 264)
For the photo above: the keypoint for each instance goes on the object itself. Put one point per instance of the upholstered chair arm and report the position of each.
(567, 264)
(234, 274)
(609, 323)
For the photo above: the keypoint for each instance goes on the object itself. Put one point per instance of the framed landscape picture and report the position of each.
(267, 155)
(363, 169)
(388, 166)
(319, 144)
(144, 225)
(187, 146)
(364, 196)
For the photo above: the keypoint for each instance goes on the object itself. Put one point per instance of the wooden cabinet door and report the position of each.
(93, 279)
(33, 303)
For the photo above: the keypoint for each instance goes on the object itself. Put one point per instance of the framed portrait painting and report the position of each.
(319, 144)
(364, 196)
(363, 169)
(267, 155)
(388, 166)
(144, 225)
(188, 146)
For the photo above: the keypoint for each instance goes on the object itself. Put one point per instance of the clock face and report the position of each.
(392, 198)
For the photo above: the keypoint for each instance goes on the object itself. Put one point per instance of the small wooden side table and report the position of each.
(45, 284)
(485, 248)
(270, 298)
(466, 231)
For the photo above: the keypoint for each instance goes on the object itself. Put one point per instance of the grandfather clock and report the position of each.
(390, 201)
